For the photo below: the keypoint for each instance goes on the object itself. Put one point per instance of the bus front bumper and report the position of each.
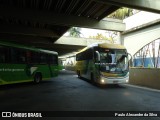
(114, 80)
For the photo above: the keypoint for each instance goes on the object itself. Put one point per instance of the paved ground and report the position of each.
(69, 93)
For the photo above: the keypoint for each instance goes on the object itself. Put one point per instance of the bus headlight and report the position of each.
(127, 81)
(102, 81)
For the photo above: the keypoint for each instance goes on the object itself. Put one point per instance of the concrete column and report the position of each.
(120, 39)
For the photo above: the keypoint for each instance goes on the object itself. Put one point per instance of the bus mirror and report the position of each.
(97, 56)
(130, 59)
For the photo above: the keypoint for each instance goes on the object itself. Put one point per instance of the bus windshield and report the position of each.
(113, 60)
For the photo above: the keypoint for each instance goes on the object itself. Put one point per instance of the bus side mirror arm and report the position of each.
(98, 56)
(131, 61)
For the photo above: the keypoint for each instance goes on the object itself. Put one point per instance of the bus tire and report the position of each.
(37, 78)
(92, 78)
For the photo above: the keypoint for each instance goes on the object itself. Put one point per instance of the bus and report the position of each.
(20, 63)
(103, 63)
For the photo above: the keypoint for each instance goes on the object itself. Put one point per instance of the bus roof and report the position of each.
(111, 46)
(28, 48)
(104, 45)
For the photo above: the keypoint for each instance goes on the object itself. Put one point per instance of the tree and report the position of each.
(121, 13)
(75, 32)
(112, 36)
(98, 36)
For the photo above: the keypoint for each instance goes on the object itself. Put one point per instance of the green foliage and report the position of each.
(75, 32)
(99, 36)
(111, 36)
(122, 13)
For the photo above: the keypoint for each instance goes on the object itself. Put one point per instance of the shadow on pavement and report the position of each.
(107, 86)
(67, 72)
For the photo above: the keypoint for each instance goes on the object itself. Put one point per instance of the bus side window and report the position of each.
(43, 58)
(35, 57)
(2, 58)
(53, 59)
(21, 56)
(4, 54)
(89, 54)
(18, 55)
(49, 61)
(28, 56)
(78, 57)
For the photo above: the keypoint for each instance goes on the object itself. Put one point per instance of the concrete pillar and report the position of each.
(120, 38)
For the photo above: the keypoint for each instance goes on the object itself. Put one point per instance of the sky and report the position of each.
(92, 32)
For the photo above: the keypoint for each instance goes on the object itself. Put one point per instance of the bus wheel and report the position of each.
(92, 78)
(37, 78)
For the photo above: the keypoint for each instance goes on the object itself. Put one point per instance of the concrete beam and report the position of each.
(59, 19)
(145, 5)
(23, 30)
(76, 41)
(26, 39)
(141, 27)
(73, 44)
(135, 40)
(40, 42)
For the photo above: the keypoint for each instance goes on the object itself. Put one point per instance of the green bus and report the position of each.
(20, 63)
(103, 63)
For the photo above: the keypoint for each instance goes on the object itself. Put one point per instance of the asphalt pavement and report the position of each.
(69, 93)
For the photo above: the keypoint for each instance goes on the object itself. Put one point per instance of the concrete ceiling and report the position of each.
(39, 23)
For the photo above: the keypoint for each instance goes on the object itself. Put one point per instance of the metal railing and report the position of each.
(148, 56)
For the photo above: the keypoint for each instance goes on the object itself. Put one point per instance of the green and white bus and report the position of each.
(19, 63)
(103, 63)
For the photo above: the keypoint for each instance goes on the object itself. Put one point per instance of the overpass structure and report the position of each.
(142, 28)
(74, 44)
(40, 23)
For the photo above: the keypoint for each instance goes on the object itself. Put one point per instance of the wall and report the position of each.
(149, 77)
(140, 18)
(136, 40)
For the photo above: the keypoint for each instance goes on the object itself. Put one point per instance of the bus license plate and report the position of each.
(115, 81)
